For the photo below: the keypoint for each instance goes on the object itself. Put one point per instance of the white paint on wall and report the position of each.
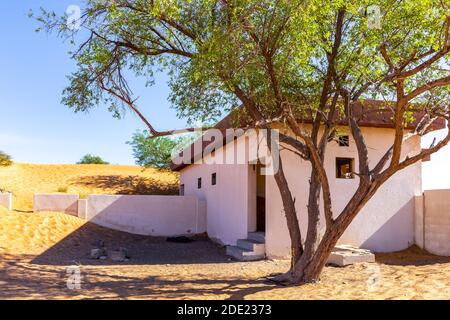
(6, 200)
(67, 203)
(231, 202)
(385, 224)
(82, 209)
(436, 222)
(148, 215)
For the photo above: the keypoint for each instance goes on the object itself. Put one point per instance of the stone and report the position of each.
(98, 253)
(120, 255)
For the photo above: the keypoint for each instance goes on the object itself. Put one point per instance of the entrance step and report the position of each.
(252, 245)
(250, 249)
(244, 255)
(257, 236)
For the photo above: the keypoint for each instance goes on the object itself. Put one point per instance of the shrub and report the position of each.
(5, 159)
(91, 159)
(62, 189)
(157, 152)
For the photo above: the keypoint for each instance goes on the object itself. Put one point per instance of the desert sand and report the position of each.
(23, 180)
(36, 248)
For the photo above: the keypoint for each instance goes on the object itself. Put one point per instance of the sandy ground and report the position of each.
(23, 180)
(36, 248)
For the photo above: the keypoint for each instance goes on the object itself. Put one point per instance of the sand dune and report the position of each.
(23, 180)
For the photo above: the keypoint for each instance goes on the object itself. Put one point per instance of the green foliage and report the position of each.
(157, 152)
(210, 50)
(91, 159)
(62, 189)
(5, 159)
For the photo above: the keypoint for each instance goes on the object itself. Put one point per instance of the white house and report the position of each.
(242, 204)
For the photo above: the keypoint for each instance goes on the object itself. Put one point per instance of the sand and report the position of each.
(23, 180)
(36, 248)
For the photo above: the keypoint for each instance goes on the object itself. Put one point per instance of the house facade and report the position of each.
(241, 200)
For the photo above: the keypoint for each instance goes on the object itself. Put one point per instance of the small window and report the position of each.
(182, 190)
(199, 183)
(344, 141)
(214, 179)
(344, 168)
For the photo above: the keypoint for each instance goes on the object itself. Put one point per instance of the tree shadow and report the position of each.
(22, 280)
(413, 256)
(143, 250)
(127, 185)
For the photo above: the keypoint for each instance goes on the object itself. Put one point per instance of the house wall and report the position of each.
(231, 203)
(385, 224)
(228, 204)
(387, 221)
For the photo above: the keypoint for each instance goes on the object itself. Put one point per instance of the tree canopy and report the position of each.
(91, 159)
(156, 152)
(221, 53)
(5, 159)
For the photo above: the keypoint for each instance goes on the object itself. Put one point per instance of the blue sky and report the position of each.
(35, 127)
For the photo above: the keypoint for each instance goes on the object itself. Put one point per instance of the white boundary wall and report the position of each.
(148, 215)
(67, 203)
(137, 214)
(432, 221)
(6, 200)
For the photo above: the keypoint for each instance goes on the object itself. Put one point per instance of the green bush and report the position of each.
(5, 159)
(62, 190)
(157, 152)
(91, 159)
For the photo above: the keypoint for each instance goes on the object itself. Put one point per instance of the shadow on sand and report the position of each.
(128, 185)
(76, 247)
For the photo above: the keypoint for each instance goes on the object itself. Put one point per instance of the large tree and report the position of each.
(284, 61)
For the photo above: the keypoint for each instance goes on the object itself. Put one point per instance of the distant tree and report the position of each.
(91, 159)
(5, 159)
(156, 152)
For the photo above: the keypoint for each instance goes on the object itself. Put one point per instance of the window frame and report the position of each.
(339, 162)
(344, 141)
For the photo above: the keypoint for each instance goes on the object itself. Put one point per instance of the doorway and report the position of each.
(260, 200)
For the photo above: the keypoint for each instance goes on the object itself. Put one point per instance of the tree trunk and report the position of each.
(309, 268)
(290, 213)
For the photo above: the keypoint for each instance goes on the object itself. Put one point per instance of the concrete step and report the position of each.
(343, 255)
(244, 255)
(252, 245)
(257, 236)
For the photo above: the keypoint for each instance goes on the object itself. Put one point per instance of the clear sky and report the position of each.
(35, 127)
